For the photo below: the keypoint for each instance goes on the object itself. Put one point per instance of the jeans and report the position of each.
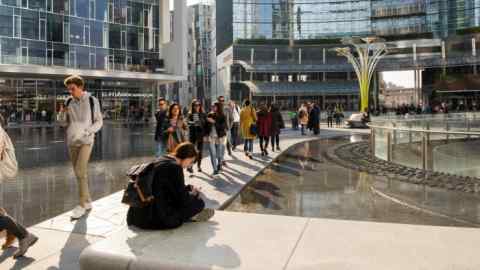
(12, 227)
(217, 151)
(160, 149)
(248, 145)
(275, 139)
(80, 155)
(234, 134)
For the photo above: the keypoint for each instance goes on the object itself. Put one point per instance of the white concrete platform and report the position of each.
(251, 241)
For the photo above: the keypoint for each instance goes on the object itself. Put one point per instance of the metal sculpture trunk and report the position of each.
(369, 52)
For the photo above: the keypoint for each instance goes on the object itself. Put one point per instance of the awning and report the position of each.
(302, 88)
(35, 71)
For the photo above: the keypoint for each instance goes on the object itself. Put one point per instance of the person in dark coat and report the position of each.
(314, 119)
(196, 124)
(264, 123)
(216, 129)
(175, 203)
(160, 116)
(277, 125)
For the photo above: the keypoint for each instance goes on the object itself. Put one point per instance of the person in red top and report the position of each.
(264, 123)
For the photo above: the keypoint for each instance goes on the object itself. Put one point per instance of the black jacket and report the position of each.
(171, 196)
(277, 122)
(160, 116)
(220, 125)
(196, 132)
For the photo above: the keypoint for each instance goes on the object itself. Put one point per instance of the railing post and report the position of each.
(424, 151)
(389, 146)
(394, 133)
(372, 141)
(410, 132)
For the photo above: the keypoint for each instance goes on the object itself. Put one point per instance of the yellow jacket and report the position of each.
(248, 116)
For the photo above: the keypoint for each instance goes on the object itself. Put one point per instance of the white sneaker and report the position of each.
(88, 206)
(78, 212)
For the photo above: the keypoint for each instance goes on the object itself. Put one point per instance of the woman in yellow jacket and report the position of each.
(248, 117)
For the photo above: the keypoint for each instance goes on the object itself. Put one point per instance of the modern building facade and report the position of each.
(122, 48)
(282, 50)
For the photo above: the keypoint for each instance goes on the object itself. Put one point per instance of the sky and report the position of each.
(400, 78)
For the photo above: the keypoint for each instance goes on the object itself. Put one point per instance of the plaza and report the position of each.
(401, 193)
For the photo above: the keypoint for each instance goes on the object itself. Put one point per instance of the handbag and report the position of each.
(253, 126)
(8, 161)
(171, 143)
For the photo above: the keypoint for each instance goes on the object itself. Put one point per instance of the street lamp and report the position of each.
(369, 50)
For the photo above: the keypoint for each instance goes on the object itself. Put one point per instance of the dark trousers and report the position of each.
(248, 145)
(194, 206)
(199, 145)
(330, 121)
(234, 135)
(263, 143)
(275, 139)
(12, 227)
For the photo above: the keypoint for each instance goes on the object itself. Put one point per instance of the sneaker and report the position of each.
(25, 244)
(8, 241)
(78, 212)
(204, 215)
(278, 148)
(88, 206)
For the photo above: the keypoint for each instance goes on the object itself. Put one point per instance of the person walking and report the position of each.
(248, 123)
(228, 113)
(277, 125)
(314, 118)
(173, 128)
(83, 118)
(235, 124)
(160, 116)
(175, 203)
(14, 230)
(196, 123)
(303, 117)
(216, 130)
(330, 114)
(264, 123)
(338, 116)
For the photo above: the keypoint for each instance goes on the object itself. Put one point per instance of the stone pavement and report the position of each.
(61, 240)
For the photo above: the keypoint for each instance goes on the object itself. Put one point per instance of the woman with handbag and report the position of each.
(8, 170)
(264, 123)
(196, 125)
(174, 128)
(216, 132)
(277, 125)
(248, 126)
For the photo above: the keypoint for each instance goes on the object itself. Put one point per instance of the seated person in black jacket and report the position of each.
(175, 202)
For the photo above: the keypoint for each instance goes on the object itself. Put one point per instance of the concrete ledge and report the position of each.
(251, 241)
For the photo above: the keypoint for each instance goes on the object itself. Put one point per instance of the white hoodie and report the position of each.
(78, 119)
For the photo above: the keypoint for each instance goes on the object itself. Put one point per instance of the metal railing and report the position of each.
(445, 143)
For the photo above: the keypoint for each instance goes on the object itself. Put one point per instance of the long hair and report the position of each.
(192, 106)
(219, 107)
(170, 110)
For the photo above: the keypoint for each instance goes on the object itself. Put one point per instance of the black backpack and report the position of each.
(92, 107)
(138, 192)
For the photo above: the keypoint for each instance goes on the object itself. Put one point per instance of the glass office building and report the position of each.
(106, 41)
(283, 49)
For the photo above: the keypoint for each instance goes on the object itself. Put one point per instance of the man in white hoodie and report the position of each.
(83, 118)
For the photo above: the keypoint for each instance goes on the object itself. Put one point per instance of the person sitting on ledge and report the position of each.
(175, 203)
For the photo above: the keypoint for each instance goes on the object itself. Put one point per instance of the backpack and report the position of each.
(92, 106)
(138, 192)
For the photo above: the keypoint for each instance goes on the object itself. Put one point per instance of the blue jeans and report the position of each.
(248, 145)
(217, 151)
(160, 149)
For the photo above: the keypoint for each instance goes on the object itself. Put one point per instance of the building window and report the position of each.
(110, 12)
(105, 35)
(42, 29)
(66, 32)
(17, 26)
(141, 46)
(92, 60)
(72, 58)
(73, 10)
(91, 9)
(123, 39)
(86, 34)
(24, 55)
(129, 15)
(50, 57)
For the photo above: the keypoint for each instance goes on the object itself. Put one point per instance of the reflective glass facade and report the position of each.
(314, 19)
(85, 34)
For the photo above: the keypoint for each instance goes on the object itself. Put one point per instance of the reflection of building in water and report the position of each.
(123, 48)
(392, 98)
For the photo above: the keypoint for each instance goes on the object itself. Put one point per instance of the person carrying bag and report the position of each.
(8, 161)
